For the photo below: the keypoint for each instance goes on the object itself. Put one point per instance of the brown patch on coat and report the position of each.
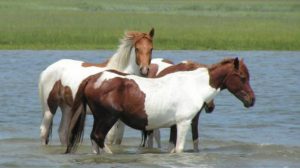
(189, 66)
(118, 97)
(100, 65)
(168, 61)
(59, 95)
(152, 71)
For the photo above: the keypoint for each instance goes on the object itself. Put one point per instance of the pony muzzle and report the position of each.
(144, 70)
(247, 99)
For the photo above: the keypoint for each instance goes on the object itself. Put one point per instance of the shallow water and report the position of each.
(267, 135)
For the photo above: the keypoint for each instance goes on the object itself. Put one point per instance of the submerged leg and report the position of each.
(156, 134)
(172, 140)
(46, 126)
(195, 132)
(100, 129)
(149, 139)
(182, 129)
(120, 132)
(115, 134)
(64, 124)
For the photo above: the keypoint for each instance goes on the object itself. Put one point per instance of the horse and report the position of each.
(209, 107)
(59, 82)
(160, 67)
(150, 103)
(115, 135)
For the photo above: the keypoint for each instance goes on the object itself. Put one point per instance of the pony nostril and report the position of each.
(253, 101)
(144, 70)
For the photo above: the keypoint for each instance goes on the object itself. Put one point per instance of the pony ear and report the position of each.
(236, 63)
(151, 33)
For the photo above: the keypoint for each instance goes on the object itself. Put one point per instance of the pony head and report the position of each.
(143, 46)
(237, 82)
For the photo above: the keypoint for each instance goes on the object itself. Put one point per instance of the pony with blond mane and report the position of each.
(59, 82)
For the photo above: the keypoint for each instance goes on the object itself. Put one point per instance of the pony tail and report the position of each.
(76, 127)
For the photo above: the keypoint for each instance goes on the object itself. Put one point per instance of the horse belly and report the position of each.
(161, 118)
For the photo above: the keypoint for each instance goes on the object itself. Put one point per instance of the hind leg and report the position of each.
(172, 139)
(195, 132)
(156, 134)
(111, 136)
(120, 132)
(64, 124)
(149, 139)
(100, 129)
(46, 126)
(115, 134)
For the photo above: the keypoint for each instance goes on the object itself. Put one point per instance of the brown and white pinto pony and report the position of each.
(160, 67)
(209, 107)
(151, 103)
(59, 82)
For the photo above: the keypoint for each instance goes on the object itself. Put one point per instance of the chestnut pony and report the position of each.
(151, 103)
(59, 82)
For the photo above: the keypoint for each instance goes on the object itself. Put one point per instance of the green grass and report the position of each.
(179, 24)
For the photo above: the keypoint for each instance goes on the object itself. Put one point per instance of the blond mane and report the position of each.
(120, 59)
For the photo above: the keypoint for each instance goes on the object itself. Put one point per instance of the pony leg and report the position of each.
(100, 129)
(150, 139)
(115, 134)
(182, 129)
(64, 124)
(120, 132)
(156, 134)
(46, 127)
(111, 135)
(195, 132)
(172, 140)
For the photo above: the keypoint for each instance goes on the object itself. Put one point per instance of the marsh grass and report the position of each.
(179, 24)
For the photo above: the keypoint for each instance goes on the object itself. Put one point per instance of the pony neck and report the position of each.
(218, 75)
(122, 58)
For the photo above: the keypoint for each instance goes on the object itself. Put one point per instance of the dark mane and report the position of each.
(183, 66)
(223, 62)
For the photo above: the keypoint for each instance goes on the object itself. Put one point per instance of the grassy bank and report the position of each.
(179, 24)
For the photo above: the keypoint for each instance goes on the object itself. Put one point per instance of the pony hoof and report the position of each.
(107, 150)
(196, 150)
(172, 150)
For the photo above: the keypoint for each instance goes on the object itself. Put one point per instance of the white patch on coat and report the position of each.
(161, 65)
(172, 98)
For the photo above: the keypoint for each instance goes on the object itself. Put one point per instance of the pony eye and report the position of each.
(136, 49)
(243, 78)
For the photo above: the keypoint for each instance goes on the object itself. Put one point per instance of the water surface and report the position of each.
(266, 135)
